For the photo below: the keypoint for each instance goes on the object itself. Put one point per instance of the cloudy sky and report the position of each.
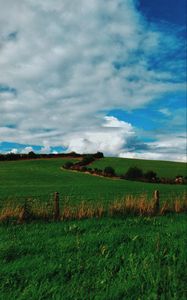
(97, 75)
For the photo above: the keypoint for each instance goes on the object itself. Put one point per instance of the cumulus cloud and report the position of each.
(46, 148)
(67, 63)
(165, 148)
(14, 151)
(154, 156)
(110, 138)
(26, 150)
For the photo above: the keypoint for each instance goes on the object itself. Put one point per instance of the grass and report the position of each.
(39, 179)
(165, 169)
(110, 258)
(129, 206)
(106, 259)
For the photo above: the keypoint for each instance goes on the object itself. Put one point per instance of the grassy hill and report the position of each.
(166, 169)
(40, 178)
(108, 258)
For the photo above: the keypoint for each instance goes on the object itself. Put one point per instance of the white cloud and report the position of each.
(54, 152)
(169, 148)
(26, 150)
(165, 111)
(46, 148)
(111, 138)
(14, 150)
(154, 156)
(71, 62)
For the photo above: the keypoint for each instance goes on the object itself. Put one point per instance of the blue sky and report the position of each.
(164, 11)
(94, 75)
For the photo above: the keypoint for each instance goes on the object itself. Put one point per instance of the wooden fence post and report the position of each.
(156, 202)
(56, 207)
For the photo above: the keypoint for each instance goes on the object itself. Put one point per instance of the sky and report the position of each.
(97, 75)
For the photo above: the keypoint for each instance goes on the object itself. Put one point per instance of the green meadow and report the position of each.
(41, 178)
(108, 258)
(165, 169)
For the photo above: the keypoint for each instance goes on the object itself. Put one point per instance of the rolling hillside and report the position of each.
(162, 168)
(98, 258)
(41, 178)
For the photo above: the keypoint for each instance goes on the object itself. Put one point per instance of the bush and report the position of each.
(84, 169)
(98, 171)
(73, 154)
(150, 175)
(87, 159)
(68, 165)
(98, 155)
(109, 171)
(31, 154)
(134, 173)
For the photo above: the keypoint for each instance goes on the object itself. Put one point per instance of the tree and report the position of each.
(133, 173)
(68, 165)
(31, 154)
(98, 155)
(109, 171)
(87, 159)
(150, 175)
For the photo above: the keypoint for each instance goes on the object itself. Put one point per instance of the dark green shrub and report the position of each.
(73, 154)
(133, 173)
(84, 169)
(87, 159)
(150, 175)
(109, 171)
(98, 155)
(31, 154)
(68, 165)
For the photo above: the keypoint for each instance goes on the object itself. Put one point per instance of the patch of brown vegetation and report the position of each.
(136, 206)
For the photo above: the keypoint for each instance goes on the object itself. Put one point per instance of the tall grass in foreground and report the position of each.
(134, 206)
(108, 259)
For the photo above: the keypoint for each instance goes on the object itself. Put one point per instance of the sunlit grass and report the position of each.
(39, 179)
(107, 258)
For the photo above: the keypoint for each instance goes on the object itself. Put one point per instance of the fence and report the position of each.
(56, 209)
(156, 204)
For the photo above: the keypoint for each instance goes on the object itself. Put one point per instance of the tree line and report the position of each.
(33, 155)
(133, 173)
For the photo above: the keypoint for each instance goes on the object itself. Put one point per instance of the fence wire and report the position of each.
(97, 197)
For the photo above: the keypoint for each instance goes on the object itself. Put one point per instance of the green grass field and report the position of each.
(115, 258)
(165, 169)
(99, 259)
(41, 178)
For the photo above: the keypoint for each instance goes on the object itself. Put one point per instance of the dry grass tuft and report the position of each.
(82, 211)
(9, 213)
(132, 206)
(136, 206)
(180, 205)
